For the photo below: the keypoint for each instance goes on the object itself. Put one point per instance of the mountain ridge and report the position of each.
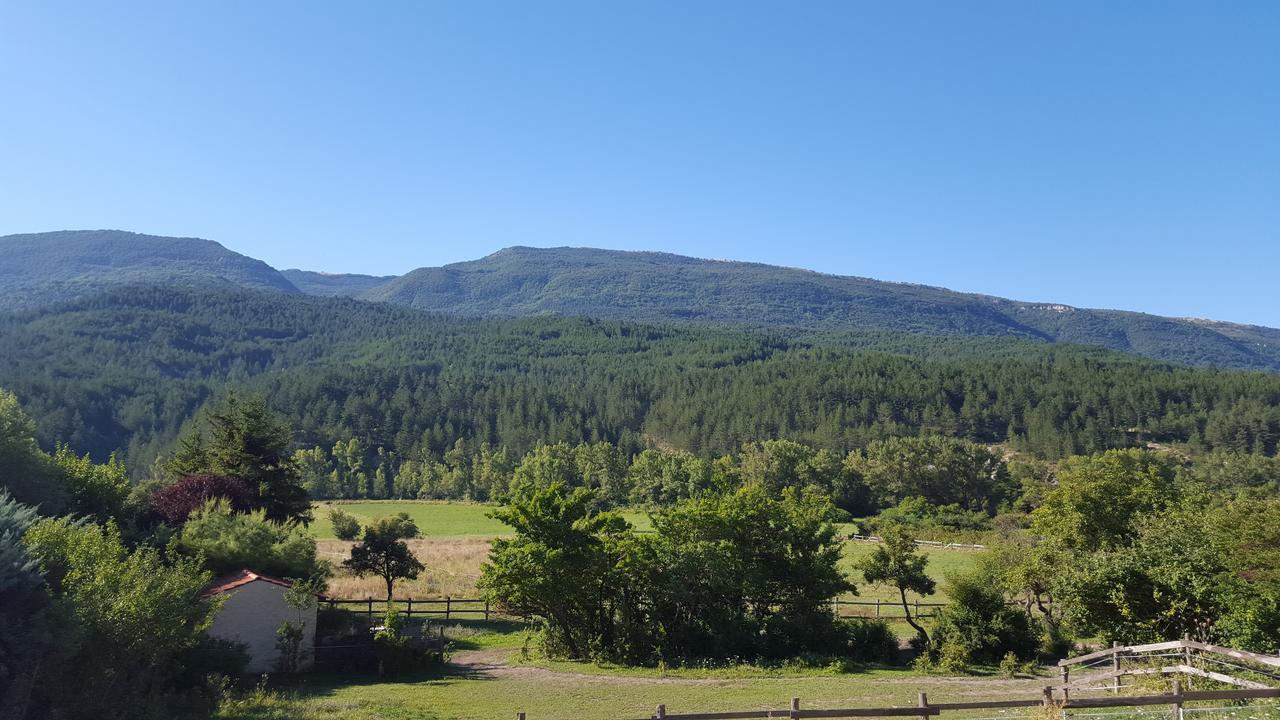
(640, 286)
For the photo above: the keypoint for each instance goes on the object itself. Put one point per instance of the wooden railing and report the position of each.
(1184, 654)
(925, 709)
(446, 608)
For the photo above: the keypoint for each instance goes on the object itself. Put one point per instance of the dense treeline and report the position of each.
(125, 371)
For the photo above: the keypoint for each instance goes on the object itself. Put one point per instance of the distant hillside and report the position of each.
(124, 370)
(333, 284)
(646, 286)
(43, 268)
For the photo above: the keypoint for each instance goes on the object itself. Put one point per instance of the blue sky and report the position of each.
(1101, 154)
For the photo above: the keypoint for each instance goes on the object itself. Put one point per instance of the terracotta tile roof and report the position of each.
(239, 579)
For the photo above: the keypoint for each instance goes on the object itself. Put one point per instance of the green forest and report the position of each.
(126, 371)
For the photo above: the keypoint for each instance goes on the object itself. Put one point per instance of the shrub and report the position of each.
(396, 653)
(175, 503)
(868, 640)
(233, 541)
(978, 627)
(345, 525)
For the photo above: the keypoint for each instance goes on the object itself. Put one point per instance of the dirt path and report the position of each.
(492, 664)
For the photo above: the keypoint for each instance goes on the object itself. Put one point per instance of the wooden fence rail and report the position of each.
(446, 608)
(925, 709)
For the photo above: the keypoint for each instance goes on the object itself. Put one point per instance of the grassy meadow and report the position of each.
(456, 536)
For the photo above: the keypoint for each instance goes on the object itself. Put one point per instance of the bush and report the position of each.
(345, 525)
(977, 627)
(234, 541)
(868, 640)
(175, 503)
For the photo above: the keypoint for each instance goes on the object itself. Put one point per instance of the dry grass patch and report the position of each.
(453, 567)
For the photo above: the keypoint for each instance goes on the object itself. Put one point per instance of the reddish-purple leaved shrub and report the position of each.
(176, 502)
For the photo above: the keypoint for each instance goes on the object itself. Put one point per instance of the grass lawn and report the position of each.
(487, 679)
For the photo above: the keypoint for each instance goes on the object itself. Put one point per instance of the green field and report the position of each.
(435, 519)
(445, 520)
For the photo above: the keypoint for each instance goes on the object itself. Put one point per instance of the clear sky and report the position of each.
(1102, 154)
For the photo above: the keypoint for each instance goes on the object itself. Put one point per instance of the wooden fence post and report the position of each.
(923, 702)
(795, 709)
(486, 611)
(370, 602)
(877, 607)
(1115, 666)
(662, 712)
(1177, 703)
(519, 716)
(448, 605)
(1066, 680)
(408, 610)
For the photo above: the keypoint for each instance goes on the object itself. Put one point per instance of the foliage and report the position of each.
(22, 597)
(1098, 498)
(869, 640)
(229, 541)
(746, 574)
(414, 384)
(557, 566)
(96, 491)
(300, 597)
(383, 552)
(978, 627)
(742, 574)
(345, 525)
(395, 651)
(125, 615)
(175, 503)
(943, 471)
(25, 471)
(241, 439)
(895, 562)
(1205, 568)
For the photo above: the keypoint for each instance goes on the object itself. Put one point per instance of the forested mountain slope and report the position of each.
(42, 268)
(37, 270)
(649, 287)
(124, 371)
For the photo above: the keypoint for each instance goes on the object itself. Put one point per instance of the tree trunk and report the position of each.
(906, 610)
(389, 580)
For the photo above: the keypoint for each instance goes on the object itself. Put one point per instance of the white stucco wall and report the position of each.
(251, 615)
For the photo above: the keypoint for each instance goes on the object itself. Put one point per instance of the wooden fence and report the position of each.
(446, 608)
(887, 609)
(925, 709)
(929, 543)
(1176, 657)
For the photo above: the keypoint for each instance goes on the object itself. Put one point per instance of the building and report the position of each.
(254, 610)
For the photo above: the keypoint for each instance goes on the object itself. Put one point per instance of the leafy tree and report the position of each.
(384, 553)
(127, 615)
(230, 541)
(300, 597)
(748, 573)
(1098, 498)
(896, 562)
(26, 471)
(1207, 569)
(942, 470)
(557, 566)
(97, 491)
